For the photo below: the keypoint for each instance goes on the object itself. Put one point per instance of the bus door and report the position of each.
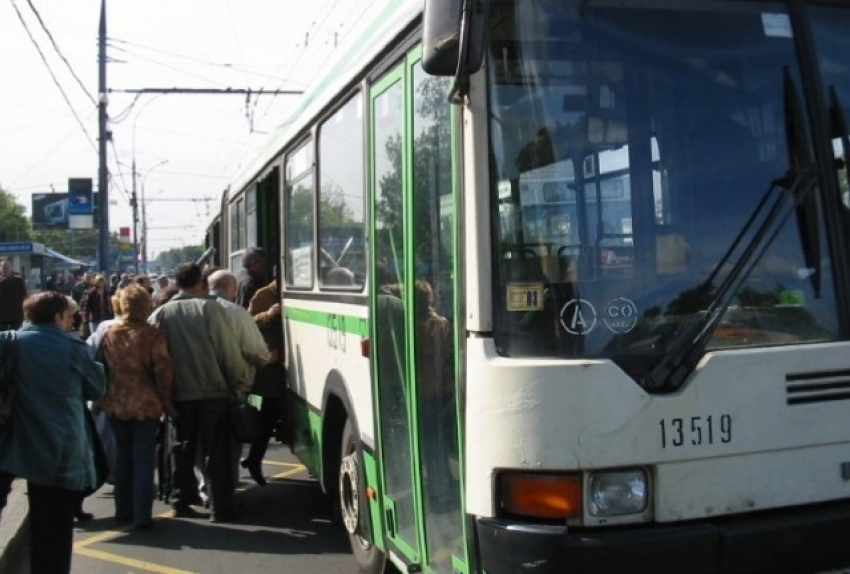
(263, 216)
(414, 325)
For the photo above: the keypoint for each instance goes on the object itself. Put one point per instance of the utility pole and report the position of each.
(144, 234)
(135, 205)
(103, 135)
(143, 244)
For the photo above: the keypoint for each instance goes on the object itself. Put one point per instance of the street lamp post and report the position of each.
(144, 241)
(134, 201)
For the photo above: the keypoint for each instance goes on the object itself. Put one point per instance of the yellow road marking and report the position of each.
(81, 547)
(113, 533)
(292, 464)
(290, 472)
(131, 562)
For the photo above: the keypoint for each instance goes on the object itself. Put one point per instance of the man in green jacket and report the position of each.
(209, 375)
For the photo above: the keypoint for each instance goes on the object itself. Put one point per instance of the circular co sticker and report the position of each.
(578, 317)
(620, 315)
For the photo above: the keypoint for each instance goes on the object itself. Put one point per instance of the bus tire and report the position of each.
(352, 502)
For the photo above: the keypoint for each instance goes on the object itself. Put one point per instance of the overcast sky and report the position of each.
(186, 147)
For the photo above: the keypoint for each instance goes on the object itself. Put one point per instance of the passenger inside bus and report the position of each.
(434, 375)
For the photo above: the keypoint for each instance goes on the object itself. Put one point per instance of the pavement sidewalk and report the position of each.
(13, 522)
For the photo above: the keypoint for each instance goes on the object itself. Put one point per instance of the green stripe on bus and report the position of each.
(305, 434)
(335, 321)
(370, 471)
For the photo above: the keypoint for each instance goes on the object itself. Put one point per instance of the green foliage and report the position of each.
(335, 209)
(77, 243)
(431, 171)
(14, 225)
(300, 217)
(168, 260)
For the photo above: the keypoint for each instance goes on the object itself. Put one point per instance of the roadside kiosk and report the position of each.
(28, 260)
(35, 262)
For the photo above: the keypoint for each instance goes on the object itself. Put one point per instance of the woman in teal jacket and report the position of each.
(47, 441)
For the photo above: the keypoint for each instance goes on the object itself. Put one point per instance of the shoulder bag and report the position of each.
(245, 422)
(8, 372)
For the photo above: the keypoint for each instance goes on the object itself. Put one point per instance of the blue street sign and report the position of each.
(80, 200)
(15, 248)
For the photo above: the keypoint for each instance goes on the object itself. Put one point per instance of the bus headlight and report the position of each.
(617, 492)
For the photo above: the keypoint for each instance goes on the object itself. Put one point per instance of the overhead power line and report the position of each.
(52, 75)
(196, 199)
(59, 52)
(222, 65)
(179, 69)
(203, 91)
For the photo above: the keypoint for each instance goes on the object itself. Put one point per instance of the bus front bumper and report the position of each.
(800, 540)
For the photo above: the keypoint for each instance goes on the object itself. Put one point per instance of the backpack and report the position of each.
(8, 371)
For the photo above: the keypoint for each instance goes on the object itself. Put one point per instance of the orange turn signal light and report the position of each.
(538, 495)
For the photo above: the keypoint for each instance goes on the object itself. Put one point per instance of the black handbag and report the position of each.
(8, 371)
(101, 462)
(245, 422)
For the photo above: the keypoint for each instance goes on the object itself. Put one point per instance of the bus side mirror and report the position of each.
(453, 38)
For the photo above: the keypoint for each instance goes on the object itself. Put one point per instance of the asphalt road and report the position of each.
(283, 527)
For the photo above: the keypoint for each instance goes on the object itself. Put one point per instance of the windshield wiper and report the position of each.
(796, 188)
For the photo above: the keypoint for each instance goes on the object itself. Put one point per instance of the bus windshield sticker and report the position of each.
(525, 297)
(620, 315)
(505, 189)
(776, 25)
(578, 317)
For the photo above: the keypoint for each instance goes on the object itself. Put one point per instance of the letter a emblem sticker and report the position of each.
(578, 317)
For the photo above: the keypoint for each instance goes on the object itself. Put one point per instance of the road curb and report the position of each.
(14, 522)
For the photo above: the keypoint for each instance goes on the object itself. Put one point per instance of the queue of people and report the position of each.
(182, 358)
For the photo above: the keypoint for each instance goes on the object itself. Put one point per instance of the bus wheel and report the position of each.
(369, 558)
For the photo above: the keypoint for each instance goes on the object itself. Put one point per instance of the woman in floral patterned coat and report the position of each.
(140, 376)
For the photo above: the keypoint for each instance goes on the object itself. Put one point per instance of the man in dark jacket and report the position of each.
(13, 291)
(254, 275)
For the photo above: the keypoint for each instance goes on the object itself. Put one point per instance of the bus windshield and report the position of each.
(630, 147)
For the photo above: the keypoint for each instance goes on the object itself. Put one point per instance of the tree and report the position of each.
(78, 243)
(168, 260)
(335, 210)
(14, 225)
(300, 217)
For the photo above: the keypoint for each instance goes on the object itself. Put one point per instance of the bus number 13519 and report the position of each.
(696, 431)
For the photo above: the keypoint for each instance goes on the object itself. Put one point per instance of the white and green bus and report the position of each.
(567, 285)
